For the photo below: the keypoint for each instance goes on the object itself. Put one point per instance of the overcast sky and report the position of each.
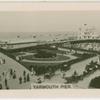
(40, 21)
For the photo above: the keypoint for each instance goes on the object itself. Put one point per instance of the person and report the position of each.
(24, 73)
(0, 86)
(14, 74)
(6, 83)
(11, 72)
(32, 71)
(0, 78)
(8, 75)
(20, 80)
(24, 79)
(17, 58)
(64, 75)
(28, 78)
(39, 80)
(3, 74)
(3, 61)
(7, 87)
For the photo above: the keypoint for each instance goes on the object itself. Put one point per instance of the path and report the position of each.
(86, 81)
(59, 61)
(10, 63)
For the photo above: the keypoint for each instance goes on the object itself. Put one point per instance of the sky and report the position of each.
(46, 21)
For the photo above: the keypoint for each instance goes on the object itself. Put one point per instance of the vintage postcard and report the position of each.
(49, 48)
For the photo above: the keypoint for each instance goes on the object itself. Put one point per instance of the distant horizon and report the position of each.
(28, 24)
(20, 36)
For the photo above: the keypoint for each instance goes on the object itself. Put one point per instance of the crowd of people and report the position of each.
(12, 74)
(24, 77)
(5, 76)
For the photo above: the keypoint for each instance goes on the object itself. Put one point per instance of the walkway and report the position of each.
(46, 62)
(10, 63)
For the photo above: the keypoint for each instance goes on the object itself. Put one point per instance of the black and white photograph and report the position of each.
(49, 50)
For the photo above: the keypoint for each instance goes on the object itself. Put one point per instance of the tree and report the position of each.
(44, 54)
(95, 83)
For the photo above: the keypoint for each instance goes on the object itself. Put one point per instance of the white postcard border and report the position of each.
(48, 7)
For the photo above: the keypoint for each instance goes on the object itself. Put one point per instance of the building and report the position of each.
(87, 32)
